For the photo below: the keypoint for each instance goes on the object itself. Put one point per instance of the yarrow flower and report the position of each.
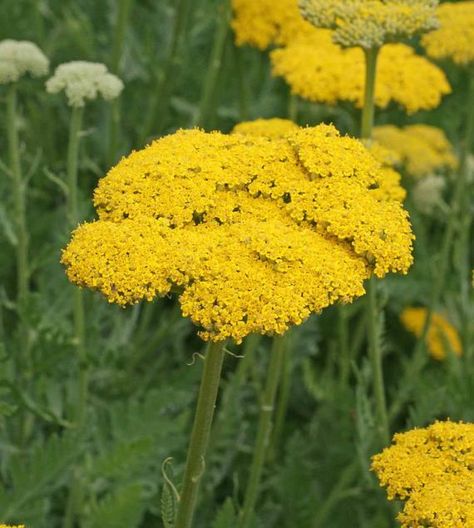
(256, 233)
(427, 193)
(371, 23)
(83, 80)
(455, 36)
(274, 127)
(321, 71)
(19, 57)
(432, 470)
(11, 526)
(424, 149)
(442, 337)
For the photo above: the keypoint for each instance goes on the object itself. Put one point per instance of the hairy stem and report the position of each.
(263, 431)
(196, 459)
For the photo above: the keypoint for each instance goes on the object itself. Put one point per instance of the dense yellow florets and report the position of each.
(370, 23)
(424, 149)
(321, 71)
(255, 233)
(11, 526)
(432, 470)
(265, 22)
(442, 337)
(455, 37)
(274, 127)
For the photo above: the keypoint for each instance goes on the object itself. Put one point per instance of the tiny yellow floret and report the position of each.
(432, 471)
(442, 337)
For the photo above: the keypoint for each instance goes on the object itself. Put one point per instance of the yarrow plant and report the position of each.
(431, 470)
(423, 149)
(442, 338)
(254, 233)
(21, 57)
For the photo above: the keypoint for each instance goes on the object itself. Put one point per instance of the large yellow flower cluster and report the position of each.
(254, 233)
(423, 149)
(321, 71)
(274, 127)
(442, 337)
(371, 23)
(454, 39)
(432, 470)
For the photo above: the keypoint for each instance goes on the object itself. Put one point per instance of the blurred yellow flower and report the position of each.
(455, 37)
(424, 149)
(321, 71)
(11, 526)
(255, 233)
(272, 128)
(431, 469)
(371, 23)
(442, 337)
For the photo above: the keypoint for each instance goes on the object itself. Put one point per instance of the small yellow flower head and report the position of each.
(424, 149)
(432, 470)
(442, 337)
(19, 57)
(323, 72)
(10, 526)
(427, 193)
(454, 39)
(389, 185)
(265, 22)
(272, 128)
(83, 80)
(371, 23)
(255, 232)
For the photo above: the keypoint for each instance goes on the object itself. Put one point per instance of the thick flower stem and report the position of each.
(263, 431)
(344, 349)
(21, 230)
(215, 64)
(367, 122)
(373, 323)
(196, 459)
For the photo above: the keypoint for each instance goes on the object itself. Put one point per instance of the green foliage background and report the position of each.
(144, 371)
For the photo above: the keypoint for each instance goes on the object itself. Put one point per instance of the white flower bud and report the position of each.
(19, 57)
(83, 80)
(428, 193)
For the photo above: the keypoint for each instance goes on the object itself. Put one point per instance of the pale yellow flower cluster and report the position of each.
(423, 149)
(255, 233)
(454, 39)
(21, 57)
(442, 338)
(371, 23)
(431, 469)
(321, 71)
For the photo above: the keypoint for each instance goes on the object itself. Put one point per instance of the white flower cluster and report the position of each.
(83, 80)
(428, 193)
(19, 57)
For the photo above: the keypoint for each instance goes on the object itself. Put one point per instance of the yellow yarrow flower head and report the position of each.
(274, 127)
(255, 233)
(82, 80)
(323, 72)
(442, 337)
(432, 470)
(371, 23)
(11, 526)
(267, 22)
(19, 57)
(455, 36)
(424, 149)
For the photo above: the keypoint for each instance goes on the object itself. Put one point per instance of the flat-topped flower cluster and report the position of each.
(432, 470)
(255, 233)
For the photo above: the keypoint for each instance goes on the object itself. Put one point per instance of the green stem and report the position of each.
(375, 354)
(368, 109)
(243, 91)
(215, 64)
(21, 230)
(72, 165)
(293, 107)
(344, 349)
(373, 322)
(196, 459)
(263, 431)
(156, 116)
